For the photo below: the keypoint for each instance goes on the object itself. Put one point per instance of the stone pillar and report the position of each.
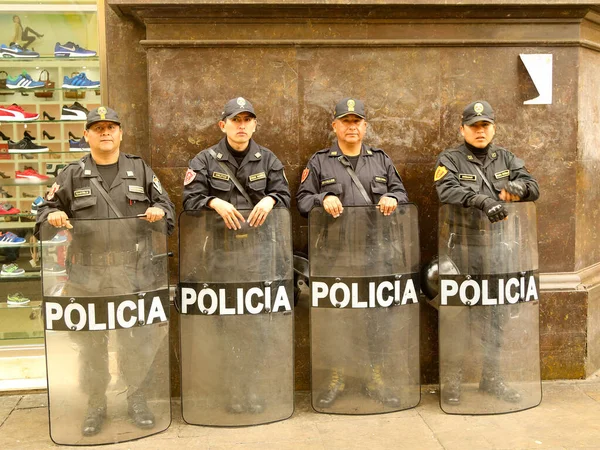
(173, 64)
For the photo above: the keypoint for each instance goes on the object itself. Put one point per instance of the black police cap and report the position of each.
(102, 114)
(349, 106)
(236, 106)
(478, 111)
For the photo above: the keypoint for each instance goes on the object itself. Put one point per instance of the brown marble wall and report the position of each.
(173, 65)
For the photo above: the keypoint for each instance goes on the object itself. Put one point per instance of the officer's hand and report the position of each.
(495, 210)
(59, 219)
(333, 206)
(387, 205)
(154, 214)
(227, 211)
(514, 191)
(260, 212)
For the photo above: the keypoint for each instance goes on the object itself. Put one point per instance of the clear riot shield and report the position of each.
(106, 311)
(364, 316)
(236, 319)
(489, 311)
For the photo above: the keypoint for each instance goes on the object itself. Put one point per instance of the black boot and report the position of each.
(94, 419)
(236, 405)
(256, 404)
(451, 393)
(335, 388)
(496, 386)
(377, 390)
(139, 412)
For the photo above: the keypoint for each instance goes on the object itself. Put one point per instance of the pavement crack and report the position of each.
(431, 430)
(11, 411)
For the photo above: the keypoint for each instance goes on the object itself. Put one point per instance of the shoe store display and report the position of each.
(7, 208)
(4, 194)
(9, 238)
(23, 81)
(14, 113)
(3, 175)
(28, 135)
(54, 269)
(47, 135)
(36, 203)
(78, 146)
(72, 136)
(30, 174)
(25, 145)
(48, 116)
(74, 112)
(53, 169)
(79, 81)
(4, 137)
(11, 270)
(72, 50)
(57, 239)
(16, 51)
(17, 299)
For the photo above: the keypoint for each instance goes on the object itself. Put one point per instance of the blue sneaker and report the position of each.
(79, 81)
(57, 239)
(36, 203)
(72, 50)
(79, 146)
(16, 51)
(9, 238)
(23, 81)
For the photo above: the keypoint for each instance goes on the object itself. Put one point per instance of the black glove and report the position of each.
(517, 188)
(494, 209)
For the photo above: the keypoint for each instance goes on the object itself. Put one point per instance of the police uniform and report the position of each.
(326, 175)
(459, 181)
(260, 173)
(119, 267)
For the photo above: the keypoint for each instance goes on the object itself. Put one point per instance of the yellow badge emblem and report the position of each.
(102, 111)
(440, 172)
(350, 104)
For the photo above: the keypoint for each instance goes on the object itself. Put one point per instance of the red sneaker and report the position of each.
(7, 208)
(30, 174)
(14, 113)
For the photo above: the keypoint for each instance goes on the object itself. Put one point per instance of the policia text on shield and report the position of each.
(113, 301)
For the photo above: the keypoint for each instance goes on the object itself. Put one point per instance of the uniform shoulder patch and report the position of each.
(305, 173)
(55, 187)
(156, 184)
(440, 173)
(190, 176)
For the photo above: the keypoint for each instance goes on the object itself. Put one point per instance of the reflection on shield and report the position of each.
(364, 316)
(106, 310)
(489, 311)
(235, 300)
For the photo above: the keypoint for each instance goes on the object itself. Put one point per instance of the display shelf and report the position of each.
(8, 61)
(24, 245)
(19, 182)
(43, 121)
(16, 226)
(45, 89)
(33, 304)
(25, 276)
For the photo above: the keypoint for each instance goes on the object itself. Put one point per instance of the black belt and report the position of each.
(104, 259)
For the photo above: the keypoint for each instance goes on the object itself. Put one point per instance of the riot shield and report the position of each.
(236, 319)
(489, 311)
(364, 315)
(106, 311)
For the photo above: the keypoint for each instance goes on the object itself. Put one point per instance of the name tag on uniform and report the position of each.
(329, 181)
(467, 177)
(381, 179)
(258, 176)
(82, 192)
(138, 189)
(220, 176)
(502, 174)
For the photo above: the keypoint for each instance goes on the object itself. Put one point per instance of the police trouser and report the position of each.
(135, 348)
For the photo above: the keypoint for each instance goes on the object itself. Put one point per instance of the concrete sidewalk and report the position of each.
(568, 418)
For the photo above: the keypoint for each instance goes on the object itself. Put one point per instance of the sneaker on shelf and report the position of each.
(36, 203)
(54, 169)
(72, 50)
(16, 51)
(74, 112)
(25, 145)
(30, 174)
(57, 239)
(7, 208)
(14, 113)
(79, 81)
(79, 146)
(54, 269)
(11, 270)
(9, 238)
(23, 81)
(16, 299)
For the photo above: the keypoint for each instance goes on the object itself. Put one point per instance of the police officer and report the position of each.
(326, 182)
(208, 184)
(479, 174)
(134, 190)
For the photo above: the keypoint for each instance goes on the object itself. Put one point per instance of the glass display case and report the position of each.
(49, 79)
